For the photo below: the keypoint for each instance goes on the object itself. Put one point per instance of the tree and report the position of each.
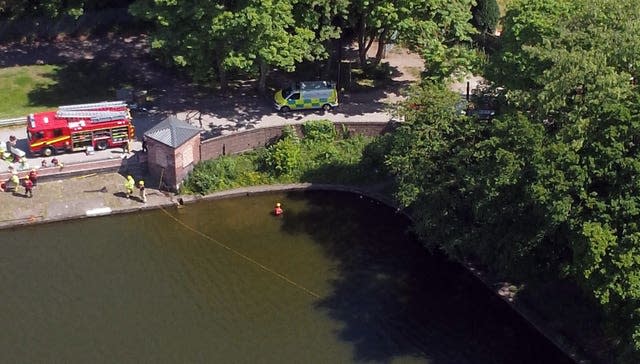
(271, 37)
(22, 9)
(486, 14)
(551, 186)
(459, 177)
(211, 38)
(373, 20)
(15, 9)
(440, 31)
(567, 65)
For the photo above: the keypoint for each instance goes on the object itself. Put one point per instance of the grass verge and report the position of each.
(27, 89)
(17, 83)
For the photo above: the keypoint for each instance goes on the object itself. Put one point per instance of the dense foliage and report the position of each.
(18, 9)
(551, 186)
(30, 20)
(486, 14)
(210, 39)
(437, 30)
(322, 155)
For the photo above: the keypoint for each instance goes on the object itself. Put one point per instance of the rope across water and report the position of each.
(262, 266)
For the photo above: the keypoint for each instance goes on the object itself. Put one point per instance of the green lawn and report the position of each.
(16, 84)
(28, 89)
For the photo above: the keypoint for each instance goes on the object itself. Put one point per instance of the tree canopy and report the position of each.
(17, 9)
(486, 14)
(211, 38)
(552, 184)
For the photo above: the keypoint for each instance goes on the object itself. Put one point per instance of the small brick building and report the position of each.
(173, 149)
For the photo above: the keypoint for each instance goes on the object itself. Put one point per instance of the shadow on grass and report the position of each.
(81, 81)
(394, 301)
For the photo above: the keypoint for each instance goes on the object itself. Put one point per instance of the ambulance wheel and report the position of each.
(285, 109)
(48, 151)
(101, 145)
(326, 107)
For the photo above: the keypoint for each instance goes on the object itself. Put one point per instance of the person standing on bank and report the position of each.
(28, 187)
(15, 182)
(33, 177)
(143, 193)
(129, 184)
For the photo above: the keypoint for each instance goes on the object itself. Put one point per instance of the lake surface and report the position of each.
(337, 279)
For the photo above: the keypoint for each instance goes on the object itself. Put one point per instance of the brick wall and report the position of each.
(177, 163)
(186, 156)
(159, 157)
(254, 138)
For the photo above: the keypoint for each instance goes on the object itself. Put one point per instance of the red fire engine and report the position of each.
(98, 125)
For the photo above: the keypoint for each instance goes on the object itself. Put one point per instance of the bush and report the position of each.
(289, 132)
(284, 157)
(319, 131)
(320, 157)
(373, 155)
(222, 173)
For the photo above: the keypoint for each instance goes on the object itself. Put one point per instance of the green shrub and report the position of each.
(289, 132)
(318, 131)
(284, 157)
(373, 154)
(317, 154)
(317, 159)
(218, 174)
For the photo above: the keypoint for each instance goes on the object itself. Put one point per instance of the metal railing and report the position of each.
(12, 122)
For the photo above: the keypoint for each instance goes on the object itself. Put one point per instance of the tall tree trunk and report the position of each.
(327, 70)
(362, 48)
(341, 80)
(222, 76)
(262, 81)
(363, 52)
(382, 42)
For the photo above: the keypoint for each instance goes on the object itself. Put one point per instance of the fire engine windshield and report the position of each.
(35, 136)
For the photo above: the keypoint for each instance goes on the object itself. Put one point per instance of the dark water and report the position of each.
(239, 285)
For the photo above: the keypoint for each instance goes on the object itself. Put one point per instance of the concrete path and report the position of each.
(74, 197)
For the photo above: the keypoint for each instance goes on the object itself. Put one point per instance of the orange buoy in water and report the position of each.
(278, 210)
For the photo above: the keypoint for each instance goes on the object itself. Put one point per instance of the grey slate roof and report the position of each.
(172, 132)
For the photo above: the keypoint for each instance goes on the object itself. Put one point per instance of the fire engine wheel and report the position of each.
(326, 107)
(48, 151)
(285, 109)
(101, 145)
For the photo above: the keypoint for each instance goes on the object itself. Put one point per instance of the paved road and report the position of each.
(66, 158)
